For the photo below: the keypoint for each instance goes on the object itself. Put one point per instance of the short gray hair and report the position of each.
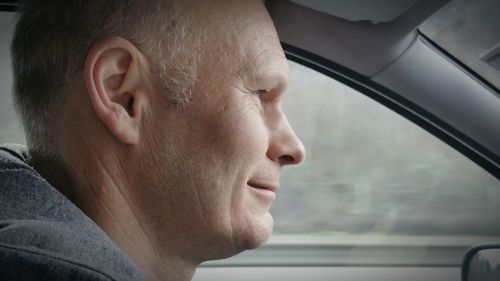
(52, 39)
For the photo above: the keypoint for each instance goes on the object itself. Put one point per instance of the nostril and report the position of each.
(286, 159)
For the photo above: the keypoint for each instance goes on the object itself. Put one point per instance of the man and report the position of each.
(158, 127)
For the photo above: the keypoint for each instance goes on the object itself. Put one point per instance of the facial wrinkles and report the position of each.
(167, 173)
(262, 58)
(232, 59)
(204, 206)
(255, 57)
(269, 73)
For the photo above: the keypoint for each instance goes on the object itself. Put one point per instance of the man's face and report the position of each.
(219, 161)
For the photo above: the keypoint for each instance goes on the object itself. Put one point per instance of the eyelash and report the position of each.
(259, 92)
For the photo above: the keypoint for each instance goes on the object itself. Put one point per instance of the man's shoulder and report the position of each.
(13, 156)
(28, 263)
(52, 250)
(43, 233)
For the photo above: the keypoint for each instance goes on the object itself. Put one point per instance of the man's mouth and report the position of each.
(264, 185)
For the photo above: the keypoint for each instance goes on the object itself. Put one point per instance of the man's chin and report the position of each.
(247, 236)
(257, 233)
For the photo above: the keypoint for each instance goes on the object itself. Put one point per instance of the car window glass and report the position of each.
(10, 127)
(370, 171)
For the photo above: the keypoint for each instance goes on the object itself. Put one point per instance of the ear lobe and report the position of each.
(114, 82)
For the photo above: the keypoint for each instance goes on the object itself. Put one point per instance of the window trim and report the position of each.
(355, 251)
(8, 6)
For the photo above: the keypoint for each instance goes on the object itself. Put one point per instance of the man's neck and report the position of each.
(100, 191)
(53, 171)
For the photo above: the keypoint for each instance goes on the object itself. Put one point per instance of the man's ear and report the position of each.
(115, 84)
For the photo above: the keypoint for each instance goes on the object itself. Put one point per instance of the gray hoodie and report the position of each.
(44, 236)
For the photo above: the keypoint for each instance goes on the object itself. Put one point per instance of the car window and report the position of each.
(370, 171)
(10, 130)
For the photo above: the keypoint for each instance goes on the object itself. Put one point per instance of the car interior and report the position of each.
(397, 104)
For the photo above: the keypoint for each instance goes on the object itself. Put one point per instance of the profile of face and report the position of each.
(215, 165)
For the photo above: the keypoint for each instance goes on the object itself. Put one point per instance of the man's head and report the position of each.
(52, 40)
(197, 177)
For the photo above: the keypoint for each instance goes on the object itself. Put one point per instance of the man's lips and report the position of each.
(271, 186)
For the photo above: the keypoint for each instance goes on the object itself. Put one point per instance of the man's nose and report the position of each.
(285, 147)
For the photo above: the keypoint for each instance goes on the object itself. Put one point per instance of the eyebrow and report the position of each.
(269, 63)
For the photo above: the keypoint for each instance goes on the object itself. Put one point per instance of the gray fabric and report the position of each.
(44, 236)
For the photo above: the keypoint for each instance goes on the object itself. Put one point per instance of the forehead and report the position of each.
(241, 34)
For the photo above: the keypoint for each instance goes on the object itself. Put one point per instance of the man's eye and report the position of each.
(260, 92)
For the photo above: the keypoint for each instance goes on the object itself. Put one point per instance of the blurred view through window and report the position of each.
(370, 171)
(10, 127)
